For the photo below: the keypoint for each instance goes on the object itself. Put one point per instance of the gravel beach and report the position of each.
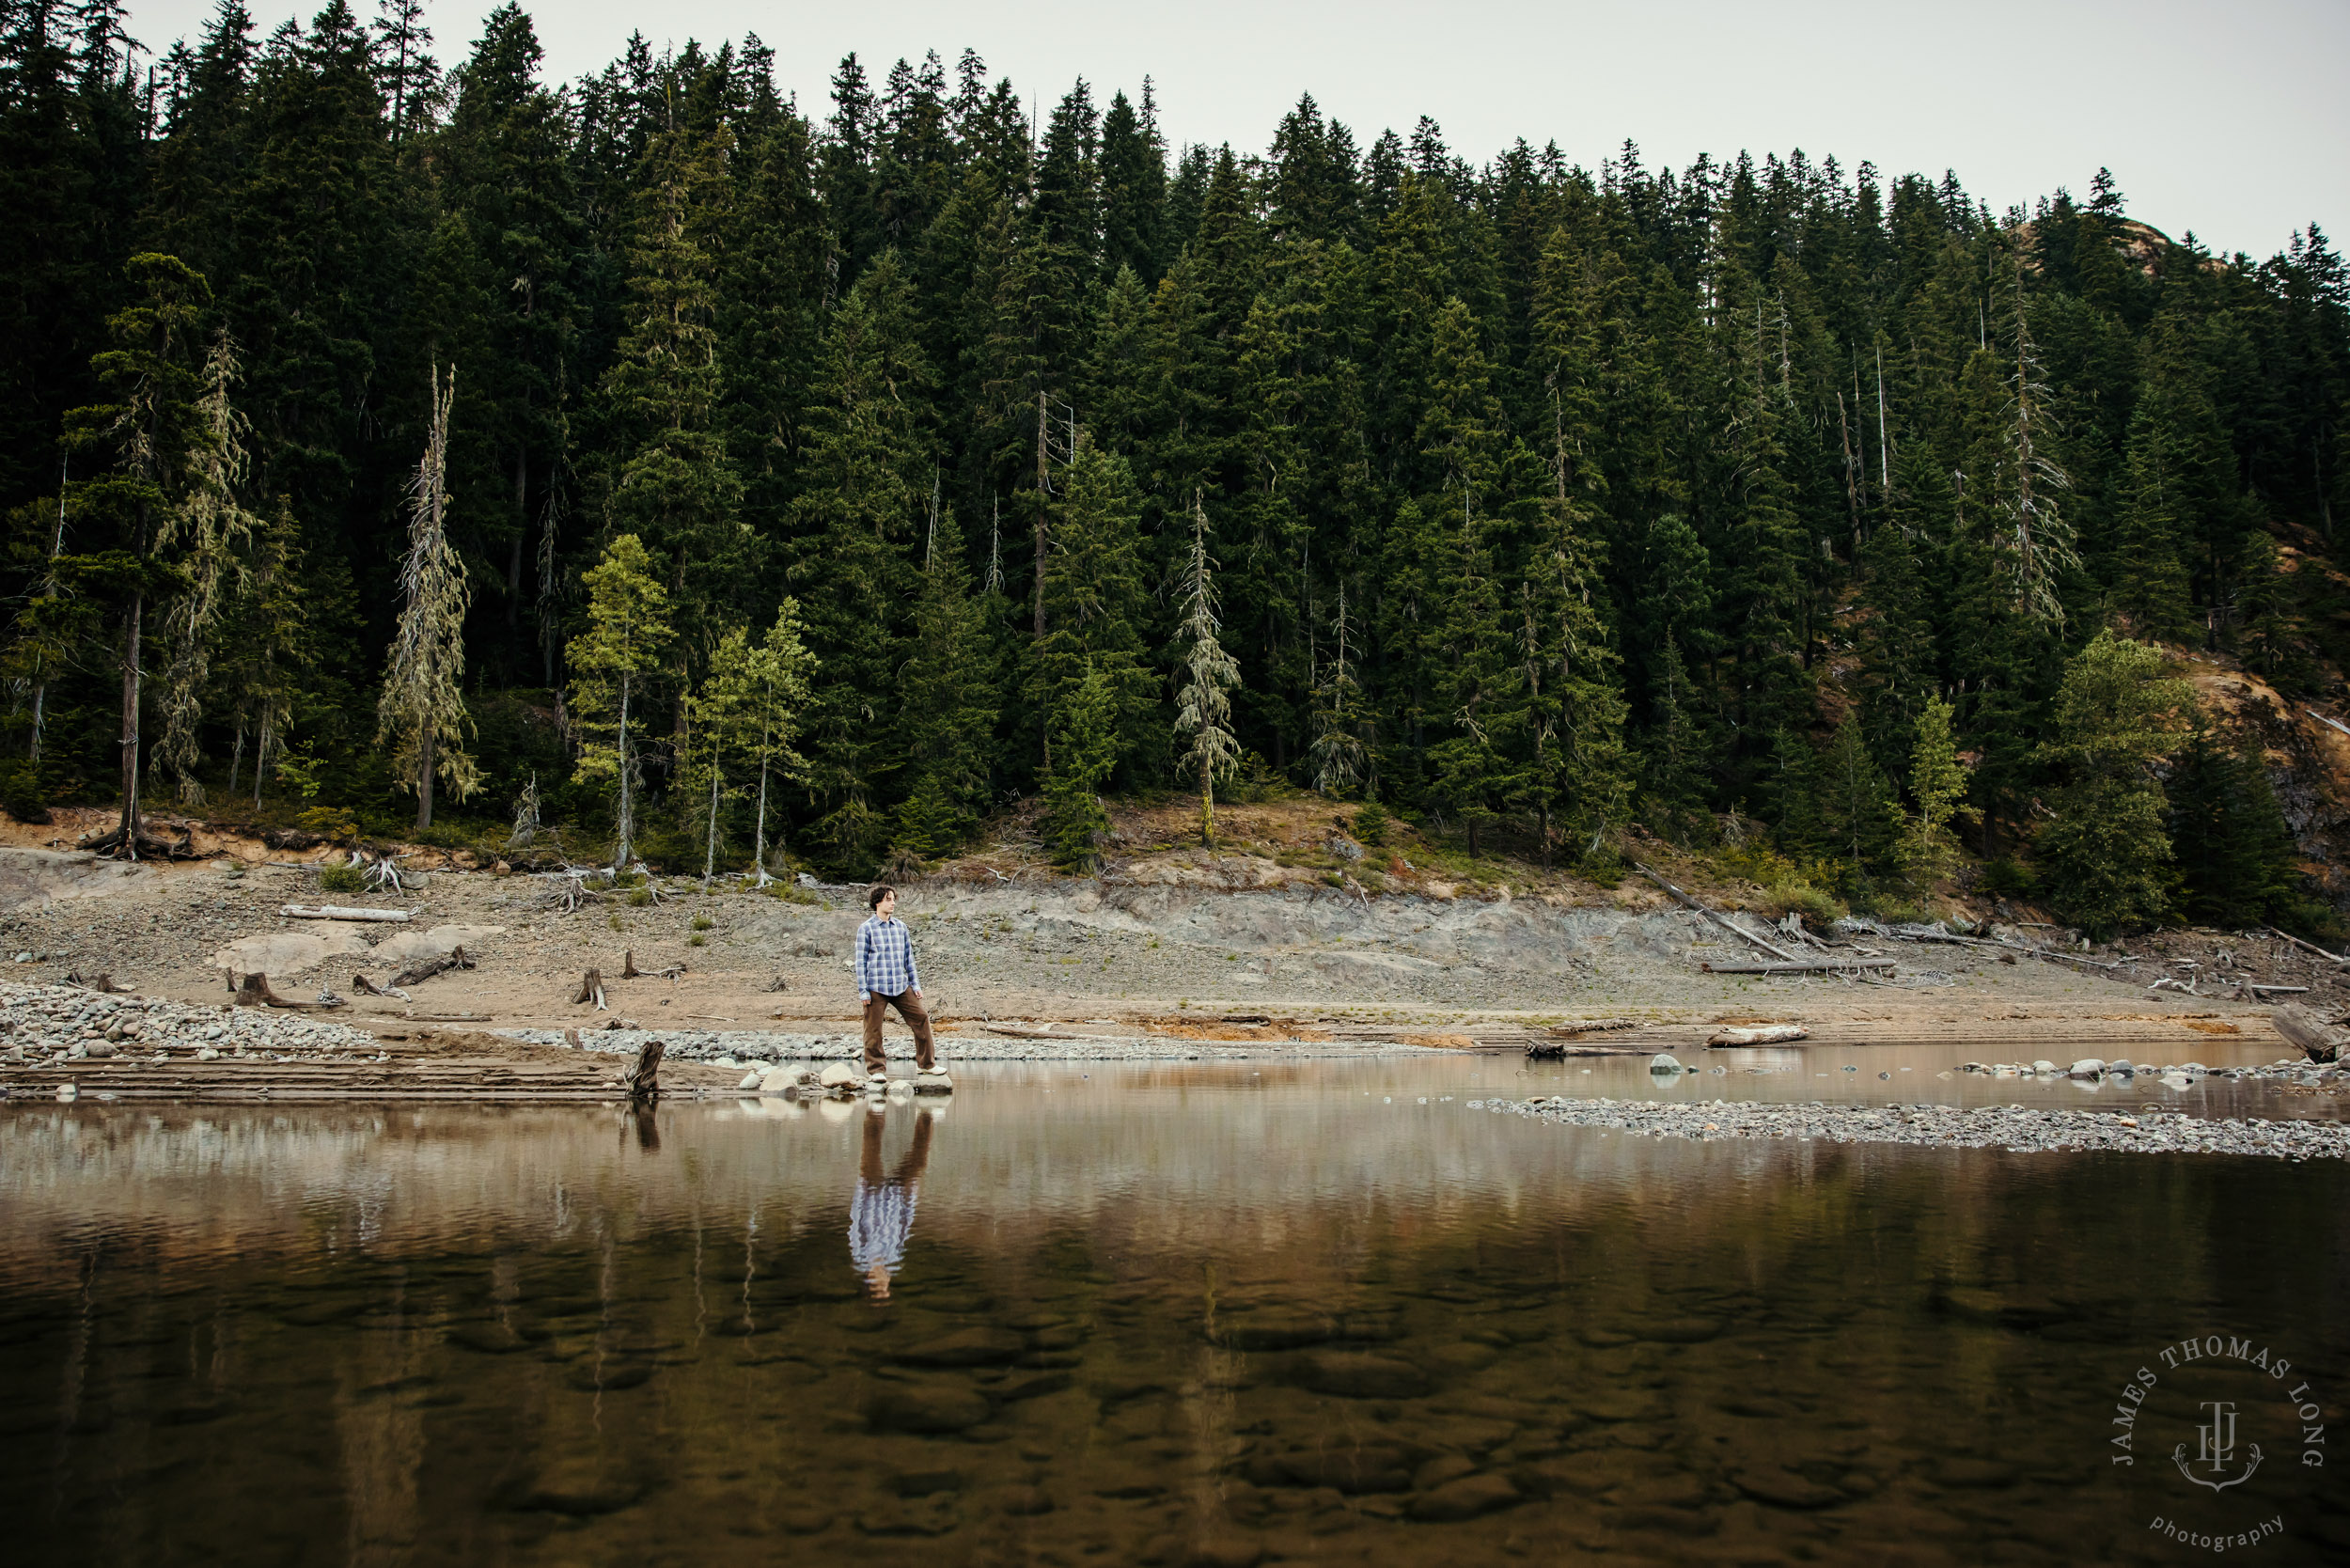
(2018, 1129)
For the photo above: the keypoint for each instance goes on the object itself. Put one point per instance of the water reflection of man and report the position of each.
(881, 1218)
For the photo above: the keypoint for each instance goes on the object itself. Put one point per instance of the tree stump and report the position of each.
(644, 1079)
(591, 990)
(628, 964)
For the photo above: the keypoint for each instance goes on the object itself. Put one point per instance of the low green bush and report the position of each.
(342, 879)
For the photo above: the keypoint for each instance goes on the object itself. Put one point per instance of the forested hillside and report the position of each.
(728, 476)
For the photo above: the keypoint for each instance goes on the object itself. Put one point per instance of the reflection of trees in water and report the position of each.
(1183, 1289)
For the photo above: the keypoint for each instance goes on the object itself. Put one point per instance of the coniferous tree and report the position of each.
(1203, 709)
(2107, 849)
(152, 441)
(2237, 864)
(1082, 731)
(1936, 785)
(947, 704)
(422, 712)
(629, 629)
(214, 523)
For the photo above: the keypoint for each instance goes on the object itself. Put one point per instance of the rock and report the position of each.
(2176, 1080)
(2043, 1066)
(2088, 1067)
(939, 1083)
(838, 1074)
(1663, 1063)
(206, 1053)
(751, 1080)
(99, 1048)
(67, 1094)
(2194, 1069)
(1464, 1499)
(776, 1080)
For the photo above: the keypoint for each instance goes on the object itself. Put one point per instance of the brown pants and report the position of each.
(909, 1006)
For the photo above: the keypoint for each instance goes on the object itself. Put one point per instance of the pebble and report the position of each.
(2020, 1129)
(2286, 1069)
(43, 1022)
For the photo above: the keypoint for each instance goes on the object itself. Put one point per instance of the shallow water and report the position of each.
(1206, 1314)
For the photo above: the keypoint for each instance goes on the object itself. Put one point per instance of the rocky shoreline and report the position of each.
(2018, 1129)
(744, 1047)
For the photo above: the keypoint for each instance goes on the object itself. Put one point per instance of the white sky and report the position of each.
(2228, 119)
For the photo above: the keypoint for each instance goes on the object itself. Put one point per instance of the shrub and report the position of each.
(330, 822)
(1370, 824)
(341, 879)
(19, 792)
(1819, 910)
(703, 922)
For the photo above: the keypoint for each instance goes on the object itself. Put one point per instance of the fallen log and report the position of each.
(340, 912)
(1721, 920)
(1021, 1031)
(1800, 967)
(446, 1017)
(254, 991)
(591, 990)
(644, 1079)
(1582, 1026)
(425, 968)
(1944, 937)
(2319, 1041)
(102, 982)
(1762, 1034)
(2310, 946)
(367, 987)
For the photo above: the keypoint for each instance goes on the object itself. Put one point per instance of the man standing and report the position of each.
(886, 978)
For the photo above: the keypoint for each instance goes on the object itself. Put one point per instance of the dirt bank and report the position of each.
(1289, 960)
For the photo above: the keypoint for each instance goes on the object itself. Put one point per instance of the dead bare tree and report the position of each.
(423, 706)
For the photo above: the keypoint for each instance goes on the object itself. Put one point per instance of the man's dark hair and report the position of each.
(880, 891)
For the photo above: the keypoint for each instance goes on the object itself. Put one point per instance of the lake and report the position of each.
(1166, 1314)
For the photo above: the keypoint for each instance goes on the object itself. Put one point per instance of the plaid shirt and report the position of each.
(885, 958)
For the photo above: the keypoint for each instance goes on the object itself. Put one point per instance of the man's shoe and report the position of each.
(935, 1070)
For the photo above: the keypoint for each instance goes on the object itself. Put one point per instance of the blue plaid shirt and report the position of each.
(885, 958)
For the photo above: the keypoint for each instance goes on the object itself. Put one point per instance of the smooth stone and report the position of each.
(1663, 1063)
(750, 1080)
(2043, 1065)
(2088, 1067)
(934, 1083)
(839, 1075)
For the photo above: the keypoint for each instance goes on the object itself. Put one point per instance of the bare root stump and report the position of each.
(254, 991)
(425, 968)
(591, 990)
(628, 964)
(644, 1079)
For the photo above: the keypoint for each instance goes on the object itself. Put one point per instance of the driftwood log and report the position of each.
(644, 1079)
(102, 982)
(2318, 1041)
(591, 990)
(1761, 1034)
(1800, 967)
(425, 968)
(367, 987)
(1687, 901)
(342, 912)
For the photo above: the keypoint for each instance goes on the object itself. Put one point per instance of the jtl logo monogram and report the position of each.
(2218, 1449)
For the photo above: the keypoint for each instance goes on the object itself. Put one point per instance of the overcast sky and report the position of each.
(2228, 119)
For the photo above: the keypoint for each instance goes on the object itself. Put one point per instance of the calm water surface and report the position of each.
(1200, 1314)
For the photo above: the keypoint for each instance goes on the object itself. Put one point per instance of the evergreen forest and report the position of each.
(386, 429)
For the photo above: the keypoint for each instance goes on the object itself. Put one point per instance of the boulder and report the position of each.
(838, 1074)
(1664, 1063)
(776, 1080)
(934, 1083)
(2088, 1067)
(750, 1080)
